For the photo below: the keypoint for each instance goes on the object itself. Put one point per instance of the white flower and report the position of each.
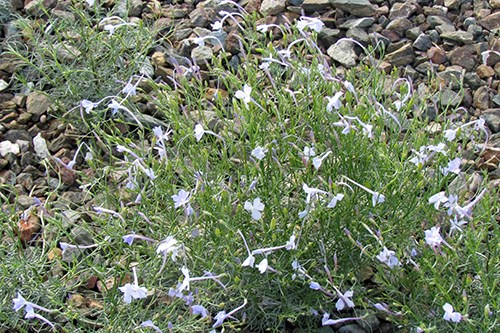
(244, 94)
(438, 199)
(451, 315)
(314, 285)
(335, 200)
(262, 27)
(259, 152)
(198, 131)
(310, 22)
(290, 245)
(200, 309)
(249, 261)
(149, 323)
(312, 193)
(349, 86)
(450, 134)
(87, 105)
(132, 291)
(185, 283)
(377, 198)
(433, 238)
(453, 167)
(440, 148)
(217, 25)
(169, 245)
(256, 208)
(129, 89)
(456, 225)
(263, 266)
(181, 198)
(388, 257)
(334, 102)
(309, 152)
(317, 161)
(344, 300)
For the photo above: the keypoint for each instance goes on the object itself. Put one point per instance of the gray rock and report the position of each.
(201, 17)
(434, 21)
(492, 119)
(451, 78)
(491, 22)
(401, 9)
(202, 54)
(329, 36)
(7, 147)
(448, 97)
(355, 7)
(413, 33)
(37, 8)
(441, 29)
(481, 98)
(401, 57)
(343, 52)
(422, 43)
(15, 135)
(458, 37)
(37, 104)
(469, 21)
(378, 40)
(363, 22)
(400, 25)
(351, 328)
(496, 100)
(272, 7)
(463, 58)
(358, 34)
(370, 322)
(473, 80)
(316, 5)
(452, 4)
(66, 52)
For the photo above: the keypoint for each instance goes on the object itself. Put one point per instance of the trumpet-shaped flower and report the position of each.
(200, 310)
(453, 167)
(169, 245)
(181, 198)
(314, 285)
(334, 102)
(244, 94)
(198, 131)
(263, 266)
(311, 23)
(336, 198)
(450, 134)
(450, 315)
(308, 153)
(318, 160)
(388, 257)
(259, 152)
(437, 199)
(433, 237)
(149, 323)
(222, 315)
(130, 290)
(312, 193)
(344, 300)
(255, 208)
